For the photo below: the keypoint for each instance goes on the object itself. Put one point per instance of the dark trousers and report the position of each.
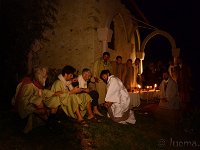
(95, 96)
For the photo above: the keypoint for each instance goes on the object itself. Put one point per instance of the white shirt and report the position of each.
(82, 82)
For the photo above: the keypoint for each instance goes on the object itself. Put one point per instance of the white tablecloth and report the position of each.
(151, 95)
(144, 95)
(135, 99)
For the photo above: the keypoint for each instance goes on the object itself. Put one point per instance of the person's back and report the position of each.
(124, 98)
(117, 99)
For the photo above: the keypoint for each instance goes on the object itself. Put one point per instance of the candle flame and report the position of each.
(139, 86)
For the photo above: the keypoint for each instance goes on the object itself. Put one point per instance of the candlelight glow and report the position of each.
(139, 86)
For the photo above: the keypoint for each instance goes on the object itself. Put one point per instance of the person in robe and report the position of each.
(136, 72)
(169, 95)
(118, 67)
(101, 64)
(83, 81)
(74, 103)
(168, 109)
(117, 99)
(32, 101)
(128, 75)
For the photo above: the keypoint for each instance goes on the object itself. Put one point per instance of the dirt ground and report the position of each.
(148, 132)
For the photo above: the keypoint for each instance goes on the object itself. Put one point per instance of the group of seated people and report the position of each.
(33, 100)
(69, 93)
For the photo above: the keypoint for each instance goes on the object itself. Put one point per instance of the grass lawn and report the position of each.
(148, 133)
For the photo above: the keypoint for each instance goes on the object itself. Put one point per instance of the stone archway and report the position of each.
(175, 50)
(154, 33)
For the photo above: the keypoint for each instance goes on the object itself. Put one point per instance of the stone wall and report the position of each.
(74, 39)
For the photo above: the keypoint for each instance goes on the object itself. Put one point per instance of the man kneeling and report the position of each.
(117, 99)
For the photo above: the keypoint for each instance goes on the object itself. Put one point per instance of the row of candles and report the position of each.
(147, 87)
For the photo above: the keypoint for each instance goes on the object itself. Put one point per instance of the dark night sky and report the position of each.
(181, 20)
(178, 18)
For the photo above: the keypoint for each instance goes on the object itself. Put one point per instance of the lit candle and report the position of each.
(155, 85)
(147, 88)
(139, 87)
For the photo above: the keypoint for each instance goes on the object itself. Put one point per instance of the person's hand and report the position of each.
(107, 104)
(86, 90)
(76, 90)
(40, 92)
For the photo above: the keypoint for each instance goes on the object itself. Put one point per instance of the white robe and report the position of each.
(119, 96)
(171, 94)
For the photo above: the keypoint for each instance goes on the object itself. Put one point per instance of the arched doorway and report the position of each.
(175, 51)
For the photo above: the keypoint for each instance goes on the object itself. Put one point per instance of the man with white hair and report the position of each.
(83, 81)
(31, 97)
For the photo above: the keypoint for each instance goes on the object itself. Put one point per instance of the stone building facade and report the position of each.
(87, 28)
